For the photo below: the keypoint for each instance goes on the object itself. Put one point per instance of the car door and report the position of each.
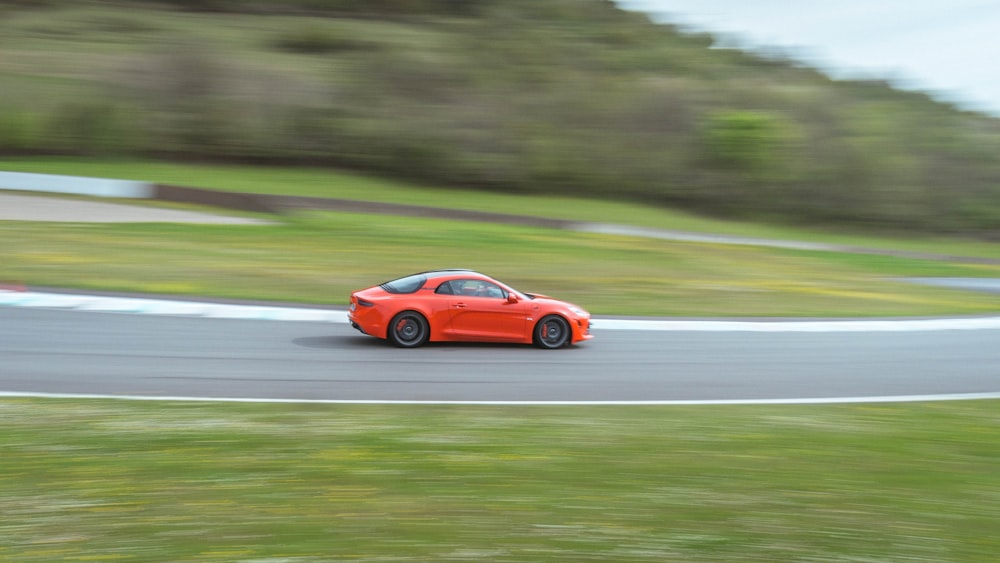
(480, 310)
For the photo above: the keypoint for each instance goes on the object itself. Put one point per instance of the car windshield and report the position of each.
(522, 294)
(409, 284)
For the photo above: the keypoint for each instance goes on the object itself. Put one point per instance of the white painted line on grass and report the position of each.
(136, 305)
(801, 401)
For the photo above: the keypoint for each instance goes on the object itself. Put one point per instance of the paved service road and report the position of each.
(57, 351)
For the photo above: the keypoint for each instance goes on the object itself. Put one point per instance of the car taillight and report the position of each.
(364, 303)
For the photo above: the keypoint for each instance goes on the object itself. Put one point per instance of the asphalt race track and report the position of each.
(52, 351)
(85, 345)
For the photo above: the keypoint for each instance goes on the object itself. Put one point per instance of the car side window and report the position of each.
(476, 288)
(493, 290)
(444, 289)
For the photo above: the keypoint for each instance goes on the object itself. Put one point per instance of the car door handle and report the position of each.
(459, 305)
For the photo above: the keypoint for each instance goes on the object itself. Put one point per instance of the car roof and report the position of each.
(448, 272)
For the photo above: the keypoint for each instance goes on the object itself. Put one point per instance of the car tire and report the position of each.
(552, 332)
(408, 329)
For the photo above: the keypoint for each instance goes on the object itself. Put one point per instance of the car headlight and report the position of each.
(578, 311)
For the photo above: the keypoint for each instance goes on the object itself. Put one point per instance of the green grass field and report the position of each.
(126, 481)
(321, 257)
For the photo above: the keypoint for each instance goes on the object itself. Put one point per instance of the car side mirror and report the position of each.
(512, 298)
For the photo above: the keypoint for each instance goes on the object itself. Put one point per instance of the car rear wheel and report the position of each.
(552, 332)
(408, 329)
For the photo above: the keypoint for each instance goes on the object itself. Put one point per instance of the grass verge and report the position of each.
(106, 480)
(321, 257)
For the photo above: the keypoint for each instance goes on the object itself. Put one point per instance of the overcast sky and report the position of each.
(949, 48)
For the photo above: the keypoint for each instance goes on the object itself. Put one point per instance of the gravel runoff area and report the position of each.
(18, 207)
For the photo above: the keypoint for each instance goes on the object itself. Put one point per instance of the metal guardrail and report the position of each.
(76, 185)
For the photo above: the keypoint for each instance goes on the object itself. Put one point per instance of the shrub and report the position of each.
(316, 40)
(20, 131)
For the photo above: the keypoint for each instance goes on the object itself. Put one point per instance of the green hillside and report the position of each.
(562, 97)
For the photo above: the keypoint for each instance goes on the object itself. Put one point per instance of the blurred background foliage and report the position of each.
(571, 97)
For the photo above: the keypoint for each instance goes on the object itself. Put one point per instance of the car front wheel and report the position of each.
(408, 329)
(552, 332)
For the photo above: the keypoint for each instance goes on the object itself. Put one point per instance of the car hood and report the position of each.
(537, 297)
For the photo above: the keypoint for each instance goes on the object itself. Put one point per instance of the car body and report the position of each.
(464, 306)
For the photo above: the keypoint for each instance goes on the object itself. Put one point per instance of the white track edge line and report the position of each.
(693, 402)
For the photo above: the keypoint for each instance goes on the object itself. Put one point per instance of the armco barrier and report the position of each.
(77, 185)
(130, 189)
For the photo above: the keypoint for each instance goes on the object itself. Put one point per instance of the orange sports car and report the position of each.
(464, 306)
